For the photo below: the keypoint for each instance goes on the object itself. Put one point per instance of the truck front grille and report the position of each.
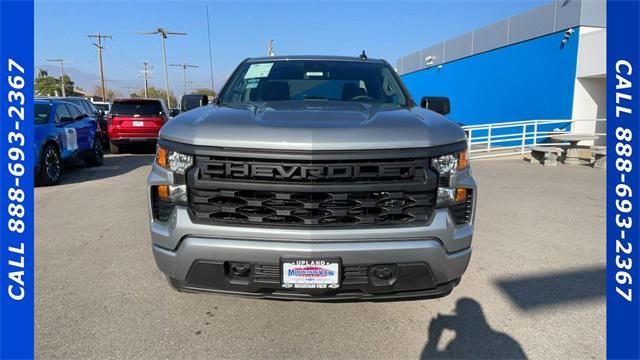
(311, 193)
(321, 208)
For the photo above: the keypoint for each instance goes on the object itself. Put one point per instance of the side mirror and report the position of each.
(100, 112)
(174, 112)
(439, 104)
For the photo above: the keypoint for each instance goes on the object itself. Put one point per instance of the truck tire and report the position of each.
(50, 166)
(113, 148)
(95, 156)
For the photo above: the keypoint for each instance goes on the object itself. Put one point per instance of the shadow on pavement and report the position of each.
(474, 337)
(114, 165)
(557, 288)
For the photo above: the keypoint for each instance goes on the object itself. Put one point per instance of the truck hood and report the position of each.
(311, 125)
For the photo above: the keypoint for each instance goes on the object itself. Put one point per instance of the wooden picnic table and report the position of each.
(571, 154)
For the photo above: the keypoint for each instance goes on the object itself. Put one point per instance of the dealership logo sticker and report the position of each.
(310, 274)
(72, 139)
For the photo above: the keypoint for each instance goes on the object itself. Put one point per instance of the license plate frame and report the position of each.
(331, 281)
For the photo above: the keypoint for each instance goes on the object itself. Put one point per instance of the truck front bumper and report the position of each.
(422, 268)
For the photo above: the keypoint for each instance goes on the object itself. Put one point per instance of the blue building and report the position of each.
(547, 63)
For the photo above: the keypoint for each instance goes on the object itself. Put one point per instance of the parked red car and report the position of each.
(135, 120)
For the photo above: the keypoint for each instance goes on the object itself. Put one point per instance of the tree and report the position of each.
(155, 93)
(204, 91)
(97, 92)
(46, 85)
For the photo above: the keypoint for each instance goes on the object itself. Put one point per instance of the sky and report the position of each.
(241, 29)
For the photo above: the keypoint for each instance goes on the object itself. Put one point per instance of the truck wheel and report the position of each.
(50, 166)
(113, 148)
(95, 156)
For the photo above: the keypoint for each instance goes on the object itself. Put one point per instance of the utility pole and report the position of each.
(184, 67)
(146, 74)
(99, 38)
(163, 35)
(61, 61)
(191, 82)
(270, 48)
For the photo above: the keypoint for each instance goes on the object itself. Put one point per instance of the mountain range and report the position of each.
(88, 81)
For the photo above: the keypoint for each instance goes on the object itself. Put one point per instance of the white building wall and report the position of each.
(589, 99)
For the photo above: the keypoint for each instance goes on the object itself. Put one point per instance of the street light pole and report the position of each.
(61, 61)
(163, 35)
(166, 71)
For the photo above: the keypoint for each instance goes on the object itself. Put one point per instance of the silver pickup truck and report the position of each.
(313, 177)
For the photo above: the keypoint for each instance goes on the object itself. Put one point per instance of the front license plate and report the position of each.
(138, 123)
(310, 274)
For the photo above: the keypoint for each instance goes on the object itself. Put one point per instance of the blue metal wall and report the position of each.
(524, 81)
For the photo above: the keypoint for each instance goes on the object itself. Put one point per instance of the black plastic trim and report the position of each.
(267, 279)
(437, 292)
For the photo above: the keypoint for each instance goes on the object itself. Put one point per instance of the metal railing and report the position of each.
(517, 137)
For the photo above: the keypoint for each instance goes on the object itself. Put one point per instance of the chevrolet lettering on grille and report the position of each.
(242, 170)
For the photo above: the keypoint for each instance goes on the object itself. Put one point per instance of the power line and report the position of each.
(61, 61)
(99, 38)
(124, 55)
(115, 59)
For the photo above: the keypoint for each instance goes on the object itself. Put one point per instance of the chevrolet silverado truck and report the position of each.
(313, 177)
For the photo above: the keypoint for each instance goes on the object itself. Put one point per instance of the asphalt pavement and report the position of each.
(535, 286)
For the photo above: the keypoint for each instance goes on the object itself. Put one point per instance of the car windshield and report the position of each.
(41, 113)
(314, 80)
(142, 108)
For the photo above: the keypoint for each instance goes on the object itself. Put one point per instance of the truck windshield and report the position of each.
(314, 80)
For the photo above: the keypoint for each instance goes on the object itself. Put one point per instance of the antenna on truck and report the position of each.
(363, 56)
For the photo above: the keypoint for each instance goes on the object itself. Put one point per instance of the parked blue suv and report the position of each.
(63, 132)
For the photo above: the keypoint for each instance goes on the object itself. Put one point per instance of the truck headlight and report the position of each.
(172, 193)
(164, 200)
(165, 197)
(174, 161)
(448, 166)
